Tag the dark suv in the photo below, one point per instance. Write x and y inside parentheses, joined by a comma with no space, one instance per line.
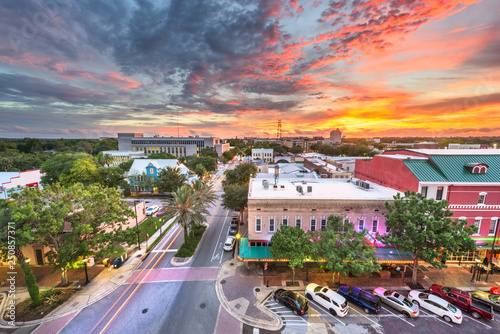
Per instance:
(293,300)
(233,229)
(235,219)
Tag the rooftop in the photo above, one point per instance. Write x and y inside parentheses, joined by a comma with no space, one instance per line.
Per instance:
(320,189)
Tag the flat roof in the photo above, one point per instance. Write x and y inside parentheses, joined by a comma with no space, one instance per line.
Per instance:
(321,189)
(457,151)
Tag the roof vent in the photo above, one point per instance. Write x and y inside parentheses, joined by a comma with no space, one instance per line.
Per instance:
(300,190)
(309,189)
(282,186)
(265,184)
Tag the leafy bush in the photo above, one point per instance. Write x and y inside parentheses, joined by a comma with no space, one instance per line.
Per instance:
(189,246)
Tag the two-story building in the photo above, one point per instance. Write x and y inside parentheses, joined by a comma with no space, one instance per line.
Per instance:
(264,154)
(468,179)
(148,169)
(9,181)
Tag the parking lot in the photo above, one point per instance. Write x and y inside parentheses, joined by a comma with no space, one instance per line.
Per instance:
(319,320)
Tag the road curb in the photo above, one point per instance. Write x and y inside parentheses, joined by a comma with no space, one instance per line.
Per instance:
(272,326)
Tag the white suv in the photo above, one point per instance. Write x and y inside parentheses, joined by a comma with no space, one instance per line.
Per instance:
(152,210)
(329,299)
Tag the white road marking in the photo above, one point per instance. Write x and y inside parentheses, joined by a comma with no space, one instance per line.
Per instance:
(400,317)
(326,312)
(218,239)
(479,322)
(435,317)
(376,323)
(163,250)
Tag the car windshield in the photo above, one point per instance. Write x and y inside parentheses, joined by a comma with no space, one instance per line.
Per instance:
(452,308)
(318,288)
(407,302)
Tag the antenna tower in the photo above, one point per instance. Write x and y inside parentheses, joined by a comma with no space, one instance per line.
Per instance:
(278,133)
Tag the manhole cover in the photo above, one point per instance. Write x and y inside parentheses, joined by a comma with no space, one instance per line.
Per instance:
(202,305)
(238,306)
(120,277)
(139,255)
(223,281)
(145,310)
(257,289)
(231,264)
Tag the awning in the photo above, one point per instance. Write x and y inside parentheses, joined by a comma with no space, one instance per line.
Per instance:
(393,255)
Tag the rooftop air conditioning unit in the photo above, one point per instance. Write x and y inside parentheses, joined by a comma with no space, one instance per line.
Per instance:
(265,184)
(275,187)
(309,189)
(300,190)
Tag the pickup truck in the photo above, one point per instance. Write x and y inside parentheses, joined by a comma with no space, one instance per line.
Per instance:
(369,302)
(463,300)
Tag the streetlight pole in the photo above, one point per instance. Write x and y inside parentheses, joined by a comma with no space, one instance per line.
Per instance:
(86,274)
(137,224)
(474,274)
(492,250)
(307,270)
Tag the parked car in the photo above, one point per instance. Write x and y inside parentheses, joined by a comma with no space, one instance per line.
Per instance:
(293,300)
(463,300)
(362,298)
(495,290)
(488,298)
(329,299)
(152,210)
(233,229)
(436,305)
(235,218)
(161,212)
(398,302)
(229,243)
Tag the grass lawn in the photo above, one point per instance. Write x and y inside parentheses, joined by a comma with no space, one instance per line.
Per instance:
(189,246)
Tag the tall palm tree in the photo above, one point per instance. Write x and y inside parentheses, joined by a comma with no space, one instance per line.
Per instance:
(187,209)
(107,159)
(205,192)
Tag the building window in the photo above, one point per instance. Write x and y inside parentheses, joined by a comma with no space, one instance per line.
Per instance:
(482,198)
(361,225)
(323,223)
(493,226)
(375,226)
(272,228)
(424,191)
(298,222)
(387,229)
(439,194)
(258,225)
(477,222)
(285,222)
(313,224)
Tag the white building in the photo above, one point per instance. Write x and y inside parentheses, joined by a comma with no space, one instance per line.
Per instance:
(123,156)
(264,154)
(12,180)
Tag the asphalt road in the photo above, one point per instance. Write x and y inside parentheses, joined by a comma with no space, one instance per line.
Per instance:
(160,297)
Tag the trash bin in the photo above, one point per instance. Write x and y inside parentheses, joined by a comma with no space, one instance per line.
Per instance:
(106,262)
(117,262)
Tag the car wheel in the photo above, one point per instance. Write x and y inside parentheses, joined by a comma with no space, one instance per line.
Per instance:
(366,310)
(447,318)
(476,315)
(308,296)
(295,312)
(332,311)
(276,300)
(406,314)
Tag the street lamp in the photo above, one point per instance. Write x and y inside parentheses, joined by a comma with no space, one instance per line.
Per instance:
(307,269)
(137,224)
(237,243)
(160,225)
(86,274)
(475,269)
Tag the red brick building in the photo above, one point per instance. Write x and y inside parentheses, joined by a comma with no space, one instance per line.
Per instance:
(468,179)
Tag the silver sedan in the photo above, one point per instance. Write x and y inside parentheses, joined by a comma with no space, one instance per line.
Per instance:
(398,302)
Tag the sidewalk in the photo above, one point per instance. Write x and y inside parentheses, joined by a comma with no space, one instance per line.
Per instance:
(103,281)
(242,287)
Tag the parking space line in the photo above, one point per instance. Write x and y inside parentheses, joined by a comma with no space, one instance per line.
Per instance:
(365,317)
(326,313)
(399,317)
(435,317)
(465,316)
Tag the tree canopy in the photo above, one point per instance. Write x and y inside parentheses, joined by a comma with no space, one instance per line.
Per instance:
(235,197)
(169,179)
(424,227)
(241,174)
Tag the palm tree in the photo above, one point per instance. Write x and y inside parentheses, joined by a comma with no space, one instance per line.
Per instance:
(187,209)
(107,159)
(205,192)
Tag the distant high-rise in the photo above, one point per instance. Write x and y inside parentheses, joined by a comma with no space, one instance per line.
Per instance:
(336,137)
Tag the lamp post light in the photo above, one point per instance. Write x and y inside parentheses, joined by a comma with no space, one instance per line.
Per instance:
(137,224)
(86,274)
(492,250)
(475,269)
(27,260)
(160,225)
(307,269)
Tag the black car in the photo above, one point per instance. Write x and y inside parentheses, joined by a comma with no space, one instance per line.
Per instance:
(235,219)
(293,300)
(233,229)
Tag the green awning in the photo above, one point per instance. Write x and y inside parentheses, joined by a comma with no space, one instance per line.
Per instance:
(393,255)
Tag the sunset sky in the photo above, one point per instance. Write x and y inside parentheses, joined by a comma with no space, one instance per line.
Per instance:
(232,68)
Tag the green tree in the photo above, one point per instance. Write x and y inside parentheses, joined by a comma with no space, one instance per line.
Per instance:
(235,198)
(292,244)
(70,224)
(6,164)
(424,227)
(22,236)
(205,192)
(344,249)
(209,163)
(200,170)
(241,174)
(83,171)
(209,152)
(110,177)
(106,160)
(169,179)
(59,164)
(186,209)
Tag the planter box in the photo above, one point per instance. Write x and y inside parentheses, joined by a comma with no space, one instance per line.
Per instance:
(385,274)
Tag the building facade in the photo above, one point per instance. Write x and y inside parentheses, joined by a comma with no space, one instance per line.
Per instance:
(336,137)
(123,156)
(309,202)
(143,172)
(468,179)
(327,170)
(264,154)
(12,180)
(177,146)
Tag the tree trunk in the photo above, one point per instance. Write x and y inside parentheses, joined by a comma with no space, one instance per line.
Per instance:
(334,274)
(64,276)
(29,278)
(415,268)
(185,234)
(293,276)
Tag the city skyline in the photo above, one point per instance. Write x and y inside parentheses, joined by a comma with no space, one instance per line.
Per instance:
(228,69)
